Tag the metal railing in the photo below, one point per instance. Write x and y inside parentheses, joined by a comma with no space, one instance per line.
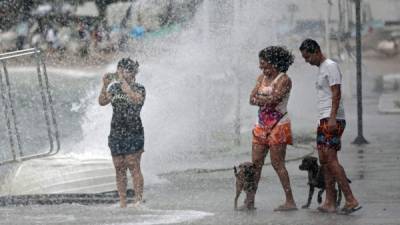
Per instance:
(9,110)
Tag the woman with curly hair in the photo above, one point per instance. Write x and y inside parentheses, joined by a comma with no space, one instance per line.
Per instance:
(272,132)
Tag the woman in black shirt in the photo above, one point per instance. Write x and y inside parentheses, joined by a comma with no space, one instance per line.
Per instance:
(126,139)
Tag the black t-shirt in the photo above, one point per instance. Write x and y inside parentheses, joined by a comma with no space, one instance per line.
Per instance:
(126,121)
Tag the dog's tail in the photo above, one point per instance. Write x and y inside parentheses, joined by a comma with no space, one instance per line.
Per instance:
(235,171)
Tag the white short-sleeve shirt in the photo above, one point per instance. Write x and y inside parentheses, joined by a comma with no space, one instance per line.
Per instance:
(329,74)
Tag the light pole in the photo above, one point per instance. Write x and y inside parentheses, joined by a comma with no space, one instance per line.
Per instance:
(328,29)
(360,138)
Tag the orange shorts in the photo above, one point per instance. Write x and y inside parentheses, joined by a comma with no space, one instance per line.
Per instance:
(280,134)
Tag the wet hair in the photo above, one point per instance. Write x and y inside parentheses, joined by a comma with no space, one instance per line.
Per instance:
(278,56)
(310,46)
(128,64)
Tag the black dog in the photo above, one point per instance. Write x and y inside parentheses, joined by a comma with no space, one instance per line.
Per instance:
(316,180)
(245,181)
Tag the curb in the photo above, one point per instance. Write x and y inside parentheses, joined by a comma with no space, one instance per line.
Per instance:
(309,148)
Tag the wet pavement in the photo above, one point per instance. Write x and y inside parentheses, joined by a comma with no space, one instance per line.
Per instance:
(373,168)
(206,196)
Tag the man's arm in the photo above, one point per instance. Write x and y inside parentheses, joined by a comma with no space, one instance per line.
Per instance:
(336,95)
(335,80)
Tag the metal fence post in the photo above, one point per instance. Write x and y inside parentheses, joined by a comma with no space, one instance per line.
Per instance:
(7,117)
(12,109)
(10,112)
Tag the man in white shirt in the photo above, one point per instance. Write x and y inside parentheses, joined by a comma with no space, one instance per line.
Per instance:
(330,127)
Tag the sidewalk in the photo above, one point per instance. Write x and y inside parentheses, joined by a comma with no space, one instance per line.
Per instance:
(373,169)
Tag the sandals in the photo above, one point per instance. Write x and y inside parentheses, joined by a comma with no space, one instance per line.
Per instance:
(347,211)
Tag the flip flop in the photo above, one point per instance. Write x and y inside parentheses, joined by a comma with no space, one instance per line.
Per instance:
(347,211)
(282,208)
(324,210)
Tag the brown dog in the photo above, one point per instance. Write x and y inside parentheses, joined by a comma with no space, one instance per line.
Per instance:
(245,181)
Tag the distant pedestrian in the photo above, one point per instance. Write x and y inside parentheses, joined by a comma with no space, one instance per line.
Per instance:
(52,39)
(22,31)
(84,38)
(331,125)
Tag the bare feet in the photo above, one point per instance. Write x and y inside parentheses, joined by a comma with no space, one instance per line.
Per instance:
(286,207)
(246,208)
(122,204)
(138,202)
(327,208)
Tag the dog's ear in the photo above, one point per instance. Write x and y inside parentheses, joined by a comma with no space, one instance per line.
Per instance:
(234,170)
(250,170)
(305,160)
(314,160)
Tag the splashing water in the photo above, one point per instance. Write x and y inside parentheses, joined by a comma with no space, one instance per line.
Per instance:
(192,81)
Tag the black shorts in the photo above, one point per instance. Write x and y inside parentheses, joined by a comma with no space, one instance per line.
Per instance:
(125,145)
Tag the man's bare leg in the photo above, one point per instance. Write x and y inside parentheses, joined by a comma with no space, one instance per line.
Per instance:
(340,175)
(329,205)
